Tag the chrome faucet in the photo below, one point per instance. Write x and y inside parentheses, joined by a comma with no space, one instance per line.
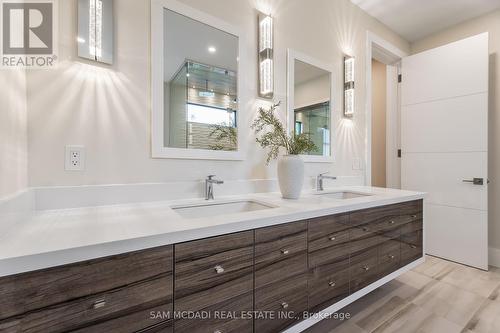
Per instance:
(209,186)
(319,180)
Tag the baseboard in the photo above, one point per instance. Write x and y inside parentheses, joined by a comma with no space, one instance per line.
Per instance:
(494,257)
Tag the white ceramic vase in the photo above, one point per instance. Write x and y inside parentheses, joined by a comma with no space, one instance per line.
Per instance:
(290,176)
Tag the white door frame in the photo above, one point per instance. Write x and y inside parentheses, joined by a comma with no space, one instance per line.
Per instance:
(373,40)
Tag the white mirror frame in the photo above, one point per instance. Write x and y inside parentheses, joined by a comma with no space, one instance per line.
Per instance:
(293,55)
(157,77)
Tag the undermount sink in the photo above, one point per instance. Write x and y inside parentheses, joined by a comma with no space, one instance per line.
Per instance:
(343,195)
(219,208)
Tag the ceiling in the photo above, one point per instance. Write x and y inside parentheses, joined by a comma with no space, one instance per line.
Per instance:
(415,19)
(186,38)
(306,72)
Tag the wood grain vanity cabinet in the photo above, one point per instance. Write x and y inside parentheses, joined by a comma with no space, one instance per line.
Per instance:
(214,275)
(280,275)
(110,294)
(329,251)
(411,232)
(281,270)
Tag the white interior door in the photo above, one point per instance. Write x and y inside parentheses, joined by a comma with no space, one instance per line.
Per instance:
(393,132)
(444,139)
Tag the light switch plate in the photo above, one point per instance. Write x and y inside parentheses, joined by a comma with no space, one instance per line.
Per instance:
(74,159)
(356,164)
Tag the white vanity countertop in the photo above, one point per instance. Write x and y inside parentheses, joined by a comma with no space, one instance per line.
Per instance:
(56,237)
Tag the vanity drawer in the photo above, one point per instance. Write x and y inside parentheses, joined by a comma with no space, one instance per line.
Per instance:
(363,270)
(124,309)
(389,257)
(139,322)
(280,252)
(328,284)
(320,229)
(330,249)
(328,240)
(375,216)
(284,304)
(364,238)
(411,246)
(390,229)
(66,288)
(167,327)
(371,227)
(213,270)
(411,211)
(230,316)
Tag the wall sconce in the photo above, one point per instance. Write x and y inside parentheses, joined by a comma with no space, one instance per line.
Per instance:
(266,66)
(95,30)
(348,86)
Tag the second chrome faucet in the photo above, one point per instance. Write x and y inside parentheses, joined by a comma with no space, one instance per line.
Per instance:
(209,186)
(319,180)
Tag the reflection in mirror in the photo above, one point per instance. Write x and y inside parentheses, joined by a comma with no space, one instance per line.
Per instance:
(311,109)
(200,85)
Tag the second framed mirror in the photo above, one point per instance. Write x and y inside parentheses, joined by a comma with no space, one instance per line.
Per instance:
(309,103)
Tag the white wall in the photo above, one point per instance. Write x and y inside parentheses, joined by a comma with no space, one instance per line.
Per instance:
(107,109)
(490,23)
(13,132)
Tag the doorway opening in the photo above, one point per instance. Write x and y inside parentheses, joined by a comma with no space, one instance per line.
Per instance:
(383,113)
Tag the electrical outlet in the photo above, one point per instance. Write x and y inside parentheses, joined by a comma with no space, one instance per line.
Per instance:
(75,158)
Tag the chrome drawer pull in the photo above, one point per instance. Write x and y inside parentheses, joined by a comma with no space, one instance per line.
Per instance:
(219,269)
(392,222)
(285,252)
(413,246)
(99,304)
(414,216)
(390,256)
(332,238)
(284,305)
(366,229)
(332,284)
(366,268)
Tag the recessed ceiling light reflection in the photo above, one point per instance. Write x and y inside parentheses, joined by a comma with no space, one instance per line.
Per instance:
(212,49)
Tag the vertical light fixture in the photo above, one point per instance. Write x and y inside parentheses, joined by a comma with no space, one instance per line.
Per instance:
(266,66)
(95,29)
(348,86)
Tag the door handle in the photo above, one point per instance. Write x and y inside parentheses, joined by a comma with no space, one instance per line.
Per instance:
(475,181)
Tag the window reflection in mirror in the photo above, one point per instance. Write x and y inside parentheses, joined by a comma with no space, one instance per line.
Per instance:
(200,85)
(312,102)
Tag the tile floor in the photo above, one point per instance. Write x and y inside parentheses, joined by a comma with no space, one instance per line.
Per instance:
(436,297)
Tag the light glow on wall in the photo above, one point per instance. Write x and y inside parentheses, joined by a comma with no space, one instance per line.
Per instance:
(266,68)
(349,86)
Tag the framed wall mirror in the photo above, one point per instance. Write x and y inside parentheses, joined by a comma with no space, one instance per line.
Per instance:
(309,103)
(195,84)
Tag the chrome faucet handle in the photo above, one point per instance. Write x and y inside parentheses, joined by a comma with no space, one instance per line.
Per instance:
(210,177)
(324,173)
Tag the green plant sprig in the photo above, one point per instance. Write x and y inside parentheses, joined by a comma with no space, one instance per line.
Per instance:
(274,136)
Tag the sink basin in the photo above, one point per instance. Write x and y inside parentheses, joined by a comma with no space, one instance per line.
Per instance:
(343,195)
(219,208)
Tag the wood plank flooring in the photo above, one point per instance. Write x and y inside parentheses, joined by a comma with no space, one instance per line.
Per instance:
(436,297)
